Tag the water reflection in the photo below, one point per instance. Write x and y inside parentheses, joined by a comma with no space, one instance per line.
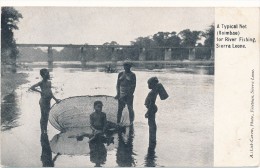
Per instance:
(179,67)
(46,156)
(124,155)
(9,112)
(150,159)
(69,143)
(98,153)
(66,143)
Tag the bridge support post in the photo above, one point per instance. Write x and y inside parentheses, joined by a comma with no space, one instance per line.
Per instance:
(142,56)
(114,54)
(50,57)
(192,54)
(168,54)
(83,56)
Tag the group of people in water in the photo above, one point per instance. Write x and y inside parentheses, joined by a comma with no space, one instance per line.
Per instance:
(126,84)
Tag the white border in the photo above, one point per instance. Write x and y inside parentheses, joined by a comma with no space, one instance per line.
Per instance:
(134,3)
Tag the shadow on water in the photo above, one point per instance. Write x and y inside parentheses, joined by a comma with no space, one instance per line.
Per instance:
(46,156)
(9,112)
(124,155)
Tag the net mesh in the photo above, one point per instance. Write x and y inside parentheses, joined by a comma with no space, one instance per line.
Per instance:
(74,112)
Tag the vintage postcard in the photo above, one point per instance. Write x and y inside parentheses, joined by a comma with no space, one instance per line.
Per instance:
(129,86)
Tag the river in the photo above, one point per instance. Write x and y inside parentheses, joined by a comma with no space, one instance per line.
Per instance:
(185,121)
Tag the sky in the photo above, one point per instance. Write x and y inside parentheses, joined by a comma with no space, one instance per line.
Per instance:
(97,25)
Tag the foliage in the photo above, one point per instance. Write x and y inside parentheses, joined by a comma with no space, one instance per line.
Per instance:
(166,39)
(9,19)
(189,38)
(210,36)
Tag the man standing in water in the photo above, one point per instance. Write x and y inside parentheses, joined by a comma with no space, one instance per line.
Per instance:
(126,83)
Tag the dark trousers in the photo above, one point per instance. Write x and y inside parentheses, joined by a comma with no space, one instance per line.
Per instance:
(152,127)
(127,100)
(45,105)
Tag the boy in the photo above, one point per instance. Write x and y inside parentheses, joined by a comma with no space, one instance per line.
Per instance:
(156,88)
(151,108)
(46,96)
(98,122)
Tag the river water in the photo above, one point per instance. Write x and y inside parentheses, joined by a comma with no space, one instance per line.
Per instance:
(185,127)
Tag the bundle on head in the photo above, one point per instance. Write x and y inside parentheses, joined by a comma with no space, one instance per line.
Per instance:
(154,83)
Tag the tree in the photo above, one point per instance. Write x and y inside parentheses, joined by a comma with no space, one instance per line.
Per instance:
(189,38)
(173,40)
(143,42)
(112,43)
(209,42)
(9,19)
(210,36)
(108,52)
(69,54)
(142,45)
(160,38)
(165,39)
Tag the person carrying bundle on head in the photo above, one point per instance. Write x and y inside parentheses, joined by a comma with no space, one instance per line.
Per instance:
(156,88)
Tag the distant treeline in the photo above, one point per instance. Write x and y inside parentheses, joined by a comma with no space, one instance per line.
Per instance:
(181,43)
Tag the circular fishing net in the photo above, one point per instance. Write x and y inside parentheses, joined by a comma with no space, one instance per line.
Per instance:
(74,112)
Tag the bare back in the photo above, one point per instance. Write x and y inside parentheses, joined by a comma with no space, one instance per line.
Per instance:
(46,89)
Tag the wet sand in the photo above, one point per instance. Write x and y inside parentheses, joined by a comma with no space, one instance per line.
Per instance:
(185,125)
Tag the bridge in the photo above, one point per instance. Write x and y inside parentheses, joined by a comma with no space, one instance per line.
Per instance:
(114,48)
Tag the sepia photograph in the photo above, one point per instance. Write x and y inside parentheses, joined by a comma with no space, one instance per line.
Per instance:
(107,86)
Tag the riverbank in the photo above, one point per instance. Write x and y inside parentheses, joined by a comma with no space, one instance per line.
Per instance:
(10,81)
